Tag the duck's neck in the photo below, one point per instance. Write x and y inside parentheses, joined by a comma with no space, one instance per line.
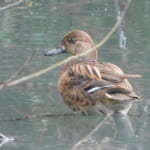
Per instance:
(88,58)
(92,56)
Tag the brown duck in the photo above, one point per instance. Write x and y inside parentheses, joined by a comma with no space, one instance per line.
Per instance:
(87,85)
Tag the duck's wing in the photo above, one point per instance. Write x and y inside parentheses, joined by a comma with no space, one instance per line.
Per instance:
(120,94)
(93,78)
(113,73)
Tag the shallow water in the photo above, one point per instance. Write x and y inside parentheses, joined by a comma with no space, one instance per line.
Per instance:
(40,25)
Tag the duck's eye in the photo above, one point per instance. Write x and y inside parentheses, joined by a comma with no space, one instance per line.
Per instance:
(71,40)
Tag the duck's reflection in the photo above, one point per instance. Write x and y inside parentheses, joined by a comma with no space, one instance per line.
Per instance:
(115,132)
(123,127)
(86,132)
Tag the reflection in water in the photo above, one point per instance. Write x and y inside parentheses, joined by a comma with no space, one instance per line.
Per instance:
(89,138)
(4,139)
(121,135)
(122,36)
(124,129)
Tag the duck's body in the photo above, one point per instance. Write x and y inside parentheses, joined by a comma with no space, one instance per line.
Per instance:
(86,85)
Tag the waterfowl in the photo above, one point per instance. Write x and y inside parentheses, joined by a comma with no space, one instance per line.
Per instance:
(88,85)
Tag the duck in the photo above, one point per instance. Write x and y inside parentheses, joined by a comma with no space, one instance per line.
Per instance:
(87,85)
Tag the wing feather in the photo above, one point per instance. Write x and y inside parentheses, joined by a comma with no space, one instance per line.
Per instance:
(87,70)
(95,77)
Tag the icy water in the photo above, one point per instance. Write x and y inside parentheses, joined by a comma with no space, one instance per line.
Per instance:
(39,25)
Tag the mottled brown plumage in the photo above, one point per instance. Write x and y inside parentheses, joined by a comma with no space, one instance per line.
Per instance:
(87,85)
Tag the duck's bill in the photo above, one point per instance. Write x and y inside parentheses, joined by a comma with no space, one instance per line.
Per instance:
(58,50)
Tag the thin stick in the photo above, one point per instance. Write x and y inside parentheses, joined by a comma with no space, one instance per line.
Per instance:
(12,5)
(45,70)
(85,139)
(20,70)
(38,116)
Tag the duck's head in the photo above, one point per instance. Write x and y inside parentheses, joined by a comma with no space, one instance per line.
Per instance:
(76,42)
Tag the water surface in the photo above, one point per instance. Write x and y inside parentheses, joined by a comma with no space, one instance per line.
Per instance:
(40,25)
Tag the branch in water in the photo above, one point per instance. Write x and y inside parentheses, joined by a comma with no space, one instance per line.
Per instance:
(45,115)
(12,5)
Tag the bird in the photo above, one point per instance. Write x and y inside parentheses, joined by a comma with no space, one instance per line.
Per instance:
(87,85)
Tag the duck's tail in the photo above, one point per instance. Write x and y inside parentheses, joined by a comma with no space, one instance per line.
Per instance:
(131,76)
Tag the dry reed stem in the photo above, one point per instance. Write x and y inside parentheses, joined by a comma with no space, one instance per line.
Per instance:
(12,5)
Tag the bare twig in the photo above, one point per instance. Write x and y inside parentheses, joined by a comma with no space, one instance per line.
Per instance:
(12,5)
(20,70)
(45,70)
(38,116)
